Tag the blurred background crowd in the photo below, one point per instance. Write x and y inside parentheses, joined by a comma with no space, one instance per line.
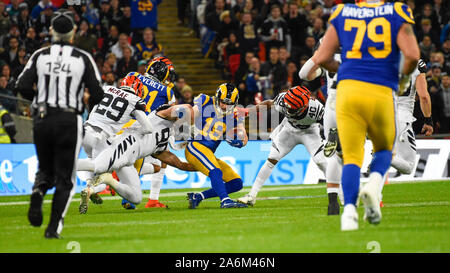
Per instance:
(259,45)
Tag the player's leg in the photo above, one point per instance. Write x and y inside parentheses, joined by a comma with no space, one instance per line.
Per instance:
(352,132)
(156,182)
(282,143)
(129,186)
(405,149)
(205,161)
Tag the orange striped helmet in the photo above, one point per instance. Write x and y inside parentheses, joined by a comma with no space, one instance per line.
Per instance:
(165,60)
(296,100)
(132,84)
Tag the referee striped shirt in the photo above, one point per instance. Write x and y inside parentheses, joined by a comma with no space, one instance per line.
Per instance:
(61,72)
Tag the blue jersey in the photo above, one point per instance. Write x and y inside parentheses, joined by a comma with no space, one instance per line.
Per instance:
(368,39)
(155,93)
(144,13)
(213,128)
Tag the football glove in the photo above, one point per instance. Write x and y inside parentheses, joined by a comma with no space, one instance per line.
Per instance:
(236,143)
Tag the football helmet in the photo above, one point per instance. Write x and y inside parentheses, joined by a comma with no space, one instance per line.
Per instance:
(172,75)
(132,84)
(228,94)
(296,100)
(158,70)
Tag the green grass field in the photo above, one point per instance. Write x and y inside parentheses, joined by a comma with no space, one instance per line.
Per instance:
(289,219)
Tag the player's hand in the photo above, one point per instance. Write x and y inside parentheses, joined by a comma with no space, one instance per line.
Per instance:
(427,130)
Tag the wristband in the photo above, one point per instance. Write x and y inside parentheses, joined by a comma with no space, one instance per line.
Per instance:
(428,121)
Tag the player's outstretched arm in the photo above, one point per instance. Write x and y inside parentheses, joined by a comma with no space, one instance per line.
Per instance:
(172,160)
(180,111)
(425,103)
(407,42)
(144,121)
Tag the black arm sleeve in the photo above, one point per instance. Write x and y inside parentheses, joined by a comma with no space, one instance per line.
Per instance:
(26,79)
(92,81)
(422,66)
(8,124)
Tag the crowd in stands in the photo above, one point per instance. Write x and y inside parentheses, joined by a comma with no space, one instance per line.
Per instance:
(259,45)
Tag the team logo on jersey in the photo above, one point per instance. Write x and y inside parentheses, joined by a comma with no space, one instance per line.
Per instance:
(121,148)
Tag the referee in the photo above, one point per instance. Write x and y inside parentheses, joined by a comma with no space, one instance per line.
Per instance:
(61,73)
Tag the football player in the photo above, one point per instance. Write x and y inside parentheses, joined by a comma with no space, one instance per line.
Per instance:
(371,37)
(106,119)
(215,118)
(300,126)
(125,149)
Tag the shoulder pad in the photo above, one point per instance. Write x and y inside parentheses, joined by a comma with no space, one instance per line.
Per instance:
(404,11)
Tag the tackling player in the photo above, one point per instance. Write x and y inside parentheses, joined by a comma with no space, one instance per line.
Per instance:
(300,126)
(371,34)
(216,117)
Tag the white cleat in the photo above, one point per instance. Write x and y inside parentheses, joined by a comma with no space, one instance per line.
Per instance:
(349,218)
(370,199)
(84,204)
(247,199)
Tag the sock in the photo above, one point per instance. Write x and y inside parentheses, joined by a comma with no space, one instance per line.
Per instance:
(263,175)
(332,189)
(380,187)
(217,183)
(99,188)
(231,186)
(156,184)
(350,183)
(381,162)
(147,168)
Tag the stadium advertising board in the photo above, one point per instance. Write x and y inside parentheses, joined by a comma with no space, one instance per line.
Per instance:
(18,166)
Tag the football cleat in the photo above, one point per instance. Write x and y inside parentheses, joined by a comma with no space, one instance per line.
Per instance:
(96,198)
(84,203)
(349,218)
(247,199)
(155,204)
(194,199)
(35,210)
(332,143)
(333,205)
(228,203)
(369,197)
(127,204)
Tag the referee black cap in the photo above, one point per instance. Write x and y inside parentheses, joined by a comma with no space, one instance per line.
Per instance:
(62,21)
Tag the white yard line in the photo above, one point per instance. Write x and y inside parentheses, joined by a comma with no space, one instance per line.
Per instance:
(245,190)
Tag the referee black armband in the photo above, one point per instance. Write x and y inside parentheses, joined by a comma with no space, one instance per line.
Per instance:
(428,121)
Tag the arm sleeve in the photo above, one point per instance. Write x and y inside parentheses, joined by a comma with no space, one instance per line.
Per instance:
(26,79)
(422,66)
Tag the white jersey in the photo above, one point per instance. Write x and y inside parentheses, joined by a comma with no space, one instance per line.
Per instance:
(311,115)
(332,81)
(405,102)
(115,110)
(125,149)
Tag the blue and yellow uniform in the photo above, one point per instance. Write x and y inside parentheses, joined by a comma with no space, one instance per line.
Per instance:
(368,74)
(213,125)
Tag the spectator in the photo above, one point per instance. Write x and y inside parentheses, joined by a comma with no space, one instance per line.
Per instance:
(121,44)
(5,21)
(275,70)
(444,89)
(426,47)
(112,61)
(7,126)
(427,13)
(186,95)
(125,22)
(84,39)
(31,42)
(10,54)
(247,33)
(434,80)
(13,9)
(116,13)
(11,81)
(297,24)
(24,20)
(327,9)
(316,30)
(441,12)
(148,48)
(43,22)
(437,111)
(274,31)
(227,24)
(292,75)
(242,71)
(308,49)
(232,54)
(446,54)
(425,29)
(126,64)
(111,39)
(212,17)
(13,32)
(142,66)
(252,82)
(180,83)
(105,17)
(20,62)
(182,5)
(144,14)
(110,79)
(284,55)
(39,8)
(8,103)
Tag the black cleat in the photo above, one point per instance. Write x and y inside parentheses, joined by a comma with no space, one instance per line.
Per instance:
(35,210)
(333,204)
(52,235)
